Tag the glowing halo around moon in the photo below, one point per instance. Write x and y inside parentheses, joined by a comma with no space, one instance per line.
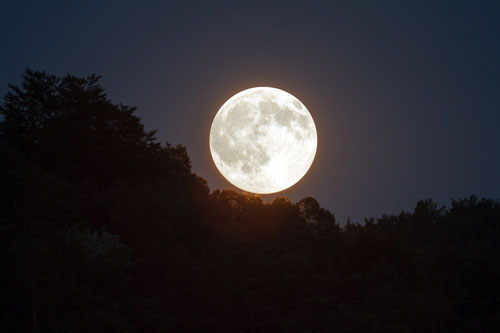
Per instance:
(263,140)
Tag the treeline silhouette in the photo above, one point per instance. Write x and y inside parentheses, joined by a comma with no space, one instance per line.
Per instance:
(104,229)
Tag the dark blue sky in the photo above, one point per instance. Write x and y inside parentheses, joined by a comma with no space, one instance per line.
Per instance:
(405,94)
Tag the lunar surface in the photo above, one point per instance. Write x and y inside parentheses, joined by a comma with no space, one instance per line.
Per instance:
(263,140)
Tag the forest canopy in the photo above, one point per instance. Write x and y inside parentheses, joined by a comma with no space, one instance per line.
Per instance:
(105,229)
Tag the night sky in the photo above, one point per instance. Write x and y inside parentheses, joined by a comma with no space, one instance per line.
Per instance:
(405,95)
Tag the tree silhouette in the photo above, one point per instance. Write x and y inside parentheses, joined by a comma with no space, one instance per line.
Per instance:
(104,229)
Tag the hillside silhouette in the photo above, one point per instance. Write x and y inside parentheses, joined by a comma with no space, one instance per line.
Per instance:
(104,229)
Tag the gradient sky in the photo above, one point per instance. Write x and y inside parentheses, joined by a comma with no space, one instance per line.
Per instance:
(405,94)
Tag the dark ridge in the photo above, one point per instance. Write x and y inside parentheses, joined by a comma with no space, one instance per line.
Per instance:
(104,229)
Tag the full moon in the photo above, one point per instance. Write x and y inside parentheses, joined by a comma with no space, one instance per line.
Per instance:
(263,140)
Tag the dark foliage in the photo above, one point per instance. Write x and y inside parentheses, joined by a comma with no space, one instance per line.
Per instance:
(106,230)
